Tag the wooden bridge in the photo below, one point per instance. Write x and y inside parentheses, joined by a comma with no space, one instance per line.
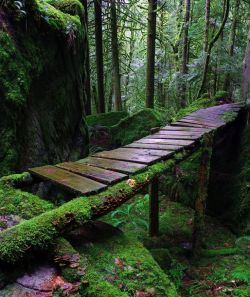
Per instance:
(104,169)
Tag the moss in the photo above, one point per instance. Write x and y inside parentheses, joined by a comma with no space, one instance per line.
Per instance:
(106,119)
(23,204)
(72,7)
(194,106)
(16,180)
(221,95)
(124,267)
(229,116)
(135,126)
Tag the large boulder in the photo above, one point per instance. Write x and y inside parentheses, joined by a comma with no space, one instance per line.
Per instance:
(42,97)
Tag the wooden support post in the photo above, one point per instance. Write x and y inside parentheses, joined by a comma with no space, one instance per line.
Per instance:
(200,203)
(154,207)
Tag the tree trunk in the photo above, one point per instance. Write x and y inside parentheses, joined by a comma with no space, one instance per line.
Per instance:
(184,68)
(207,22)
(152,6)
(87,64)
(246,72)
(210,46)
(227,83)
(99,55)
(115,59)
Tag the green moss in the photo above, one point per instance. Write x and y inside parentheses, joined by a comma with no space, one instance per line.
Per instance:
(229,116)
(72,7)
(194,106)
(23,204)
(135,126)
(106,119)
(137,269)
(220,95)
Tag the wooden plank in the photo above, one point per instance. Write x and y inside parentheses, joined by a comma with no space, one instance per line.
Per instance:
(169,147)
(166,141)
(73,182)
(180,133)
(114,165)
(118,154)
(184,124)
(202,119)
(166,136)
(191,129)
(151,152)
(202,123)
(99,174)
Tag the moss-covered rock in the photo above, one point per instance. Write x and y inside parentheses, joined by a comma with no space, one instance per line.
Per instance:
(135,126)
(41,78)
(106,119)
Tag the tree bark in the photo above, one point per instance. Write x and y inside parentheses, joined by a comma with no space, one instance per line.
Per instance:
(227,83)
(207,22)
(87,84)
(185,58)
(115,58)
(210,46)
(99,55)
(246,71)
(150,72)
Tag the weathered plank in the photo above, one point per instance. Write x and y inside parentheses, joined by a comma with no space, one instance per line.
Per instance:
(202,123)
(73,182)
(99,174)
(169,147)
(185,124)
(166,136)
(151,152)
(180,133)
(114,165)
(118,154)
(188,129)
(165,141)
(215,121)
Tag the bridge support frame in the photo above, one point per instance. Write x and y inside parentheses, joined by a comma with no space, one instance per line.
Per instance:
(200,202)
(154,207)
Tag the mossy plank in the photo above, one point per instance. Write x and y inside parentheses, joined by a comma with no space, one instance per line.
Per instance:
(201,123)
(115,165)
(192,125)
(188,129)
(166,136)
(99,174)
(66,179)
(181,133)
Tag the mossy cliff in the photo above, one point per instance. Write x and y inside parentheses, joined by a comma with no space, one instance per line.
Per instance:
(41,77)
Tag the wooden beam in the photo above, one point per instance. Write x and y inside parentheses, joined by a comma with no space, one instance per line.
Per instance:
(154,207)
(200,203)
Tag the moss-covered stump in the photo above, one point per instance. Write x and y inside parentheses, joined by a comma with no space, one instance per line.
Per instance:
(42,85)
(119,266)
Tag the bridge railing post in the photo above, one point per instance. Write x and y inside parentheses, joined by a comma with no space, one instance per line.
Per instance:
(200,202)
(154,207)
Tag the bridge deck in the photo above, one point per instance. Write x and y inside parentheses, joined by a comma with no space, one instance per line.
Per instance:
(97,172)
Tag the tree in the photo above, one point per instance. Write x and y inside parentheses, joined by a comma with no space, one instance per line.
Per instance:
(207,21)
(227,83)
(115,58)
(151,36)
(184,68)
(246,71)
(99,55)
(210,47)
(87,83)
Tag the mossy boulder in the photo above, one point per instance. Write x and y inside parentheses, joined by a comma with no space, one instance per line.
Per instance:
(42,92)
(135,126)
(106,119)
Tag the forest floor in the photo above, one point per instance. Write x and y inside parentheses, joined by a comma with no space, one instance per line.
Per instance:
(222,271)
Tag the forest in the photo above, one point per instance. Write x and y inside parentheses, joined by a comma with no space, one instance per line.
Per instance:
(124,148)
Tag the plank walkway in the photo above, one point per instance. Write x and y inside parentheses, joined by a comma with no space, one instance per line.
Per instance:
(97,172)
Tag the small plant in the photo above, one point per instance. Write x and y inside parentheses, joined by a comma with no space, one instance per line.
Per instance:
(229,116)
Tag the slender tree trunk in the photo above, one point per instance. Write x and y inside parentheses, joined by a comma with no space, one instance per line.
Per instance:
(210,46)
(115,59)
(150,74)
(185,58)
(99,55)
(87,64)
(246,71)
(227,83)
(207,22)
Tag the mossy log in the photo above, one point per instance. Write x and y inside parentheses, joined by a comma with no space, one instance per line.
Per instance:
(39,233)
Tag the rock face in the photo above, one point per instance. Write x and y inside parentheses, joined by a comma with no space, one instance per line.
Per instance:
(42,94)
